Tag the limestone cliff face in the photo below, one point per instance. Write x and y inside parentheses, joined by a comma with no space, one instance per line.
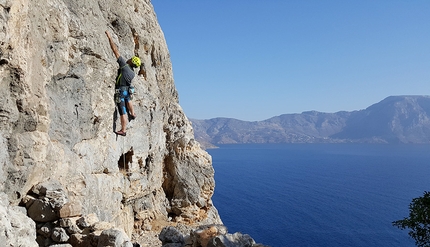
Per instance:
(57,115)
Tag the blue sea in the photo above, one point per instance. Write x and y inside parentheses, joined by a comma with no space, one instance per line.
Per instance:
(319,195)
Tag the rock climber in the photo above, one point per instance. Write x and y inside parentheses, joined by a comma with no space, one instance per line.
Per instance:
(123,87)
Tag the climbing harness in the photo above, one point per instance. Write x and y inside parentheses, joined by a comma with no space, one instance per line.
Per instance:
(131,91)
(119,93)
(117,96)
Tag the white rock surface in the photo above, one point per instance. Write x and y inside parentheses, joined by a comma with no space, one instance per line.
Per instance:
(57,116)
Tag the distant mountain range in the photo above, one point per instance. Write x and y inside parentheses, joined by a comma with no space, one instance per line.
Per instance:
(396,119)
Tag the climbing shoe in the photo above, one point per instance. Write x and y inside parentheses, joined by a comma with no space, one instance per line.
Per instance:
(121,133)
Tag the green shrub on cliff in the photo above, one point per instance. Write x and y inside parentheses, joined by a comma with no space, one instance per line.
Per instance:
(418,221)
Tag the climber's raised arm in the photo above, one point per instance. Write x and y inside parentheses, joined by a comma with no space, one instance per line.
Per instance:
(112,45)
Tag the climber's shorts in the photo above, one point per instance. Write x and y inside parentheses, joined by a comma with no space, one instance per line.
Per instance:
(122,100)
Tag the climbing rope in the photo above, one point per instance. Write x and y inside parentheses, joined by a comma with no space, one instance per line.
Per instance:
(123,152)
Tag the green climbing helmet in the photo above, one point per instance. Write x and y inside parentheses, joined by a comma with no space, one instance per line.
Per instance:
(136,61)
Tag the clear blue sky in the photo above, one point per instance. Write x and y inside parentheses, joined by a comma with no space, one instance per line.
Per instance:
(254,59)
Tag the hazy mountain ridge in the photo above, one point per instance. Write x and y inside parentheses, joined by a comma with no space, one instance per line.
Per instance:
(396,119)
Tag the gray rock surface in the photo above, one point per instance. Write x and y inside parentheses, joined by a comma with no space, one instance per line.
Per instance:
(41,211)
(16,229)
(114,238)
(57,118)
(232,240)
(213,235)
(61,245)
(59,235)
(53,192)
(171,235)
(46,229)
(79,240)
(87,220)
